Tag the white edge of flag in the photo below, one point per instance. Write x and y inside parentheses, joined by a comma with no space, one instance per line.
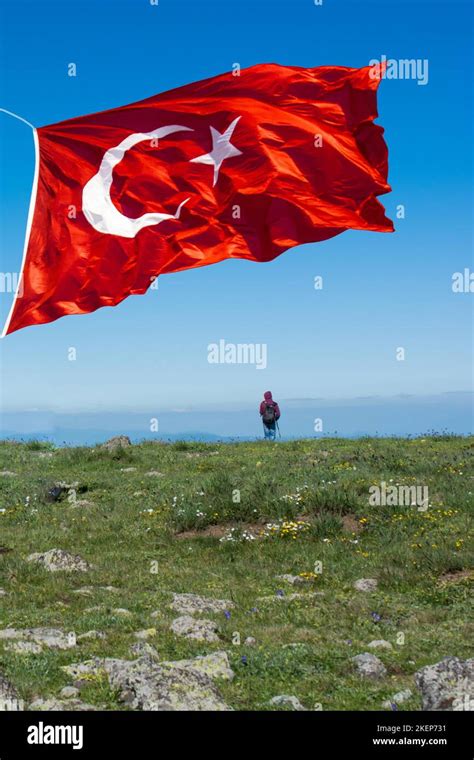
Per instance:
(29,223)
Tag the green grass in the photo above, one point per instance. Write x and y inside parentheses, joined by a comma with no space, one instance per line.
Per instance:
(133,526)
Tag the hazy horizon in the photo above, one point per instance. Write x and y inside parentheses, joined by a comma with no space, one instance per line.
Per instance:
(244,403)
(401,415)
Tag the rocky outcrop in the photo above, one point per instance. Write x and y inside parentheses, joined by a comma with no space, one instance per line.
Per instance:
(447,685)
(191,604)
(369,666)
(146,685)
(56,560)
(190,628)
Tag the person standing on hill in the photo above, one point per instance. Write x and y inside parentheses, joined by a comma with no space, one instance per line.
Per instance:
(270,414)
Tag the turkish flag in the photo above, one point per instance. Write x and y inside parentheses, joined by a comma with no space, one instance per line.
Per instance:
(230,167)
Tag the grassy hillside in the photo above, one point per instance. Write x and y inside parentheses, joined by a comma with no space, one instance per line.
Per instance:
(222,521)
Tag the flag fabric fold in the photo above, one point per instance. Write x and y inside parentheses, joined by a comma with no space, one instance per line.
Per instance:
(241,166)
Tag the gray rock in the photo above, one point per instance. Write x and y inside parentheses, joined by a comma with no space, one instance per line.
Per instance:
(447,685)
(155,687)
(23,647)
(3,592)
(398,699)
(144,685)
(69,692)
(250,641)
(117,442)
(61,704)
(190,604)
(143,649)
(122,611)
(214,665)
(7,474)
(402,696)
(294,580)
(379,644)
(128,469)
(58,559)
(199,630)
(154,474)
(9,697)
(286,700)
(369,666)
(366,584)
(94,635)
(52,638)
(95,666)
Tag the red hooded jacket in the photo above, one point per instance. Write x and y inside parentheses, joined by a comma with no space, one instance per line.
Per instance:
(267,396)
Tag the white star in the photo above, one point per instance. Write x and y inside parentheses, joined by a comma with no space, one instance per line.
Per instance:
(222,148)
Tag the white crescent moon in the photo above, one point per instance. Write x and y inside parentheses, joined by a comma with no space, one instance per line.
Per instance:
(97,204)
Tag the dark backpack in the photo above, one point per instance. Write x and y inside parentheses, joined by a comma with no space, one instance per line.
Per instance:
(269,414)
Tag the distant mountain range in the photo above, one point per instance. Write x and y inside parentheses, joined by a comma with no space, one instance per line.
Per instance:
(374,415)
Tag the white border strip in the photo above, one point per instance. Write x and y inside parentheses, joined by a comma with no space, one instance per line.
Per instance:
(29,222)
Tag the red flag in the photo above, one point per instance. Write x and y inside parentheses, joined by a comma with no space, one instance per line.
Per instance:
(230,167)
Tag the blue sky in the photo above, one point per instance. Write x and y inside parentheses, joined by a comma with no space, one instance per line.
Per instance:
(380,291)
